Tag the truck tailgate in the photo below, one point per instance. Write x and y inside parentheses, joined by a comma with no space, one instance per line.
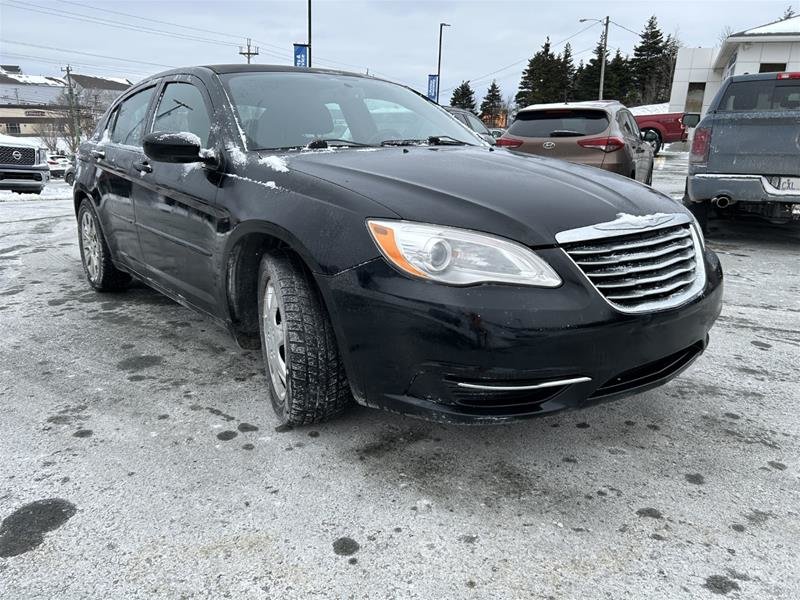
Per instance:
(756,143)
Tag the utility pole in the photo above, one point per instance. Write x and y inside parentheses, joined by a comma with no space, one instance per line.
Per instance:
(603,57)
(76,132)
(439,64)
(309,34)
(248,53)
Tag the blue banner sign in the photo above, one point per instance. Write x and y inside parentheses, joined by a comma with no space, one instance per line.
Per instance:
(301,55)
(433,86)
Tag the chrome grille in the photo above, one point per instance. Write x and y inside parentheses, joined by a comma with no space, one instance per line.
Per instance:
(651,269)
(27,156)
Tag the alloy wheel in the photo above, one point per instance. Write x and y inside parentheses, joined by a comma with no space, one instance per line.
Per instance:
(274,327)
(91,246)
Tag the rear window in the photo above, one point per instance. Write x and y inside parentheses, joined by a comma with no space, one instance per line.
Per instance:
(559,123)
(764,95)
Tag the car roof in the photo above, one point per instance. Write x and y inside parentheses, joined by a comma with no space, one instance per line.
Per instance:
(757,76)
(608,105)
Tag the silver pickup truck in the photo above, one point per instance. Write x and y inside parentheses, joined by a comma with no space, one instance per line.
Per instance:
(23,166)
(745,156)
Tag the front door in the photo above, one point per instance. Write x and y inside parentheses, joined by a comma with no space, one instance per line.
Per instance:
(118,149)
(175,203)
(640,151)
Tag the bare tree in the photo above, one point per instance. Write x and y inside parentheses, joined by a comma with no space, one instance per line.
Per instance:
(788,13)
(724,34)
(50,134)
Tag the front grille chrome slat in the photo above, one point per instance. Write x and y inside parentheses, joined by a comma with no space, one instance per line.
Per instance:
(618,257)
(27,156)
(653,268)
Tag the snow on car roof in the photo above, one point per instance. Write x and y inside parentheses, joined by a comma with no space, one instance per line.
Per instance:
(585,104)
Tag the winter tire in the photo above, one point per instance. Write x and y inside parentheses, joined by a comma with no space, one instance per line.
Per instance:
(305,373)
(100,271)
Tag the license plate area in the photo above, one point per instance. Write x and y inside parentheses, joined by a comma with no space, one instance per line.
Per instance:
(785,184)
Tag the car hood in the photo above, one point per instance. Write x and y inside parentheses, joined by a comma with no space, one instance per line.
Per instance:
(526,198)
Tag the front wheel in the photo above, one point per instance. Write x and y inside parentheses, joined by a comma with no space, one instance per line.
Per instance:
(305,372)
(95,255)
(69,178)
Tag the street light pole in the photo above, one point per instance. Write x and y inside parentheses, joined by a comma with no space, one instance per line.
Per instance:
(603,58)
(309,34)
(439,65)
(604,52)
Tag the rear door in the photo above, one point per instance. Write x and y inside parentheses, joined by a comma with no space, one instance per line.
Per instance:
(756,129)
(176,214)
(557,132)
(637,150)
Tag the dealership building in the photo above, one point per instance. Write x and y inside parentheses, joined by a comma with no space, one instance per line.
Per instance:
(699,72)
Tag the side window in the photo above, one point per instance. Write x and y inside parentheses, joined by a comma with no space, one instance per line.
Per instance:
(632,124)
(181,108)
(476,124)
(129,125)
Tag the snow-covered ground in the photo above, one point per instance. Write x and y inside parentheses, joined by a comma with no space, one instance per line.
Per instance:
(55,190)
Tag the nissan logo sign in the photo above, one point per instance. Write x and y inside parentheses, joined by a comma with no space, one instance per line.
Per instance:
(549,145)
(17,155)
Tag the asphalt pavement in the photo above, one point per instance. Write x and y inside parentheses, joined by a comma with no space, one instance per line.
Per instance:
(140,458)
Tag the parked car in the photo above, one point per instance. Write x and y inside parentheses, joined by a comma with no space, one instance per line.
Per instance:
(667,127)
(409,266)
(69,174)
(58,164)
(745,159)
(474,123)
(601,134)
(23,166)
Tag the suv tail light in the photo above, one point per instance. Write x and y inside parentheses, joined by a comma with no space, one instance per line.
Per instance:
(795,75)
(606,144)
(701,145)
(509,142)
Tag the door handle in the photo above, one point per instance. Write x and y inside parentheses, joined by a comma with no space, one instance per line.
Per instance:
(98,154)
(143,166)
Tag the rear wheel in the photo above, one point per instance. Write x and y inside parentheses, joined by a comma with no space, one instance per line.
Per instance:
(305,372)
(69,178)
(95,255)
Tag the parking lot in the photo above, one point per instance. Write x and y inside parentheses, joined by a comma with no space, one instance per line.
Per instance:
(145,436)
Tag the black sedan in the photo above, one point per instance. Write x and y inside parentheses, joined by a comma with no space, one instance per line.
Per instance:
(376,249)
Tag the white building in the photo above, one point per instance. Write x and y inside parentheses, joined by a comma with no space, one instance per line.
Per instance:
(699,72)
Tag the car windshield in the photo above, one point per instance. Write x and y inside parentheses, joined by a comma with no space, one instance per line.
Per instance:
(293,109)
(559,123)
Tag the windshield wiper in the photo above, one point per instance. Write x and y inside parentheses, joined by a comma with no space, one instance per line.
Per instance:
(445,140)
(433,140)
(565,133)
(326,142)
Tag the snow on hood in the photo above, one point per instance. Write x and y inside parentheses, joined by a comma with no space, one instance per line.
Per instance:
(10,140)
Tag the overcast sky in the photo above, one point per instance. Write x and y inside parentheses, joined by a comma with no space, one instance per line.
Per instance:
(396,39)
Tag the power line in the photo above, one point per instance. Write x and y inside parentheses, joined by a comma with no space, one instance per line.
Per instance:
(43,47)
(514,64)
(54,61)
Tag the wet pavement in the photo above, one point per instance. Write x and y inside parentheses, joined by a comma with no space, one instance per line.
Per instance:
(140,457)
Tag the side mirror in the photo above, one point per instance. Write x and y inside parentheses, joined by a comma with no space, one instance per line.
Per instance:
(650,136)
(173,147)
(690,119)
(489,138)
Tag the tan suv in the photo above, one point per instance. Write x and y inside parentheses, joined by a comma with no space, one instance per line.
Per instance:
(601,134)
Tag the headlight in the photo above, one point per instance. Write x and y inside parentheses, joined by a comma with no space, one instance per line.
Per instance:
(458,256)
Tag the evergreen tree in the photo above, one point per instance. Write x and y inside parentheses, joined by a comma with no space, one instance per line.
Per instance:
(541,80)
(587,79)
(647,64)
(566,75)
(618,80)
(492,103)
(463,97)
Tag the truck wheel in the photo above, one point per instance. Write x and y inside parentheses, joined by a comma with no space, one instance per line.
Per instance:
(305,372)
(100,271)
(657,143)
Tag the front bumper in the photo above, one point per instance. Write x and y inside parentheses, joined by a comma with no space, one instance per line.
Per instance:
(408,344)
(740,188)
(24,178)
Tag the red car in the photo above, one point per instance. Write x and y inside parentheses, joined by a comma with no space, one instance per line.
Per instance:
(667,126)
